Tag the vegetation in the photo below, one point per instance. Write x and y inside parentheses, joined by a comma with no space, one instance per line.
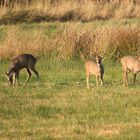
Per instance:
(59,105)
(71,40)
(66,10)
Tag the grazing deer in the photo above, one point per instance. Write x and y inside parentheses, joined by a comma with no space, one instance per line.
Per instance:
(130,63)
(96,68)
(26,61)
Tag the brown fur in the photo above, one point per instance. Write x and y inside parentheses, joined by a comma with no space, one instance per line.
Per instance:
(26,61)
(130,63)
(95,68)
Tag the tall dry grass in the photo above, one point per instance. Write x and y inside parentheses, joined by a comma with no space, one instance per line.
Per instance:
(67,10)
(73,41)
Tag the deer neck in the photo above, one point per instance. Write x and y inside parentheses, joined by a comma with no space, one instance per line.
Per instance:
(101,67)
(99,64)
(11,71)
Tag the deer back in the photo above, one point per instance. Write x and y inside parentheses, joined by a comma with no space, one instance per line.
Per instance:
(130,62)
(22,61)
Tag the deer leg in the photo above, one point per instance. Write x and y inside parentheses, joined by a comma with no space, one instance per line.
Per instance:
(101,79)
(88,80)
(35,71)
(17,77)
(134,78)
(14,79)
(29,75)
(125,78)
(97,79)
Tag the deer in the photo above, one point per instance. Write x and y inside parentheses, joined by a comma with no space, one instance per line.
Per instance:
(130,64)
(95,68)
(22,61)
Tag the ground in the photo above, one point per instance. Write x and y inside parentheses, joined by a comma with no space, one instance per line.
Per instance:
(59,105)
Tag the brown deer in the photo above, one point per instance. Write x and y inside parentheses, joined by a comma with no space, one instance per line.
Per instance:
(130,63)
(26,61)
(95,68)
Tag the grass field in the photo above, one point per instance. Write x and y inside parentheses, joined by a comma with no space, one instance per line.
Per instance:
(58,105)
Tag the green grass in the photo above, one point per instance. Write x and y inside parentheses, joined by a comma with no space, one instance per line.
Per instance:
(59,106)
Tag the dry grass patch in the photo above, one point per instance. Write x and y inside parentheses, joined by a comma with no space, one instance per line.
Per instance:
(66,10)
(72,41)
(109,131)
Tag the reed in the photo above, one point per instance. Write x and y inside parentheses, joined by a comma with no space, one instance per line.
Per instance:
(71,41)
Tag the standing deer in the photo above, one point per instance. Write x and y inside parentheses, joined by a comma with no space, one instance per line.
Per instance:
(26,61)
(130,63)
(95,68)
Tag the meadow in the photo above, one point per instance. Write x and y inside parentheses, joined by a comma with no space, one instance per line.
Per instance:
(59,105)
